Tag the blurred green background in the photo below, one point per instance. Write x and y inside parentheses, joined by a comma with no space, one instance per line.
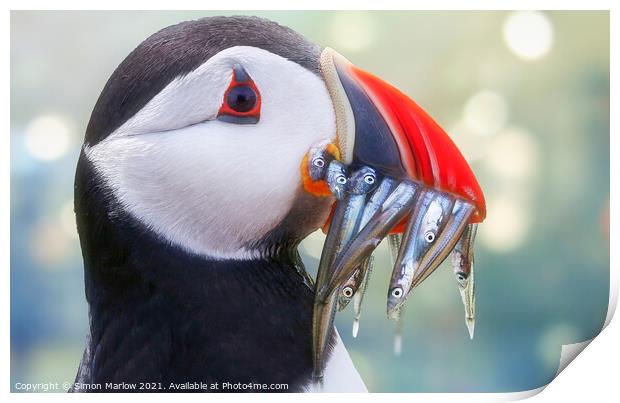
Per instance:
(525,95)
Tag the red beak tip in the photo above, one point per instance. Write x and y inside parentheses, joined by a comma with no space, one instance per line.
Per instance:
(427,152)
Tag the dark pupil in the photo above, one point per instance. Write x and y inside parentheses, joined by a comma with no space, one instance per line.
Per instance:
(241,99)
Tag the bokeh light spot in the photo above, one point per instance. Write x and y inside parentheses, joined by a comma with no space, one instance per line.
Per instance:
(485,113)
(48,137)
(352,31)
(470,146)
(506,224)
(513,155)
(551,341)
(49,246)
(67,220)
(528,34)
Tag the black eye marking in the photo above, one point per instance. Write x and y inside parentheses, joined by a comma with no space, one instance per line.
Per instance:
(241,76)
(242,100)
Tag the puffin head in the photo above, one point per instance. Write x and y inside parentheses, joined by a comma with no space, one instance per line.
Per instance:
(204,132)
(200,133)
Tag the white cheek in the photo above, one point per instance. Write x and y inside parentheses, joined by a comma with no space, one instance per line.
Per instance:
(214,188)
(208,196)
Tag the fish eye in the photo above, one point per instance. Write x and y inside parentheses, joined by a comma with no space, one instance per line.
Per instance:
(397,292)
(319,162)
(461,276)
(341,180)
(347,292)
(369,179)
(429,236)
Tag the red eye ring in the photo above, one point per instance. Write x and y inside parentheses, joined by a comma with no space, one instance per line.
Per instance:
(242,100)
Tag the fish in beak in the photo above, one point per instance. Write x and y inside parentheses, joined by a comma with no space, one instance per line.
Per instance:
(360,276)
(355,287)
(358,295)
(394,242)
(432,197)
(463,268)
(351,200)
(437,222)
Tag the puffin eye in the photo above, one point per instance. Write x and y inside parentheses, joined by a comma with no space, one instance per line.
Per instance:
(242,101)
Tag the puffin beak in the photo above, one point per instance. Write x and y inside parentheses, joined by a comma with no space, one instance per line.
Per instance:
(381,128)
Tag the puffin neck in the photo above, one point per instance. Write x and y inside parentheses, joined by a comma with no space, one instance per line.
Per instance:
(160,314)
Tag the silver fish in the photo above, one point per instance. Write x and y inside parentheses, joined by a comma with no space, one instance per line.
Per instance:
(366,268)
(438,220)
(394,242)
(318,163)
(343,226)
(377,199)
(354,286)
(349,288)
(463,268)
(429,214)
(395,207)
(337,179)
(322,325)
(446,240)
(362,181)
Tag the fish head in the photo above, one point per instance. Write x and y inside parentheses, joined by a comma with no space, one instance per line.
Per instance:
(400,286)
(363,181)
(337,179)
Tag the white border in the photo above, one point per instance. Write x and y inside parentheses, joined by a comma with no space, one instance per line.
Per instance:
(318,5)
(595,375)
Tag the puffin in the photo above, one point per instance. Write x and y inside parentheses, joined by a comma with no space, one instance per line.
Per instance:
(193,191)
